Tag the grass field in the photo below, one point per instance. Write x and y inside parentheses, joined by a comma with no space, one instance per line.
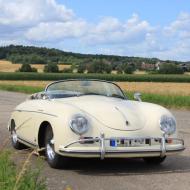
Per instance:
(170,101)
(6,66)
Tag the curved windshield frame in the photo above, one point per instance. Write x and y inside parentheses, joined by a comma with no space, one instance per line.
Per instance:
(70,88)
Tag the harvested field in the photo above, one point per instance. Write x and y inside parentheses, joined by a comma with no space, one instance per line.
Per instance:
(6,66)
(144,87)
(26,83)
(182,89)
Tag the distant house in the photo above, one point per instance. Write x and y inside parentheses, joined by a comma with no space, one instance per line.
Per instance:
(185,67)
(147,66)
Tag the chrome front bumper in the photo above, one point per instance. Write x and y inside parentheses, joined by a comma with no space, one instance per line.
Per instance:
(162,149)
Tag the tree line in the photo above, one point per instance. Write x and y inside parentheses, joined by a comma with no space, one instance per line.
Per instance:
(82,63)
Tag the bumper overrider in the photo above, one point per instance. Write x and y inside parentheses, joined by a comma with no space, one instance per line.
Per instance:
(163,146)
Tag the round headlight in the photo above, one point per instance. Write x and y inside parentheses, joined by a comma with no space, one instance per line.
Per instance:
(79,124)
(168,124)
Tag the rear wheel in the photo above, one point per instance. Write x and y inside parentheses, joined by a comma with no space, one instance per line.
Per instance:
(14,138)
(54,160)
(154,160)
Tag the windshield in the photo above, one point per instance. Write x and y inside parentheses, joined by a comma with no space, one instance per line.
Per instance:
(70,88)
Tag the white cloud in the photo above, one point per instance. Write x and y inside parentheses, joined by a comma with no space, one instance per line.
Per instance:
(53,31)
(107,24)
(46,22)
(169,42)
(25,12)
(180,26)
(111,30)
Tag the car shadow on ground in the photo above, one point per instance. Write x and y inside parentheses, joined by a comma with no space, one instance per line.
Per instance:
(123,167)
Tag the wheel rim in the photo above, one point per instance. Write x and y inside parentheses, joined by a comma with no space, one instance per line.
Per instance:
(14,136)
(50,151)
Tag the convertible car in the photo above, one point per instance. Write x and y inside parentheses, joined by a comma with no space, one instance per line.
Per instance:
(93,119)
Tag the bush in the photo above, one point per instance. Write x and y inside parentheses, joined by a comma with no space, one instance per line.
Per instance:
(35,59)
(27,68)
(129,69)
(67,70)
(107,68)
(119,69)
(169,68)
(81,68)
(99,67)
(51,68)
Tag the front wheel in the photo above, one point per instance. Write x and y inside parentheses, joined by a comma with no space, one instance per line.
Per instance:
(54,160)
(154,160)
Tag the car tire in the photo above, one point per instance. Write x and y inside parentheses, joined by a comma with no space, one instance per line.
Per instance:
(154,160)
(14,138)
(54,160)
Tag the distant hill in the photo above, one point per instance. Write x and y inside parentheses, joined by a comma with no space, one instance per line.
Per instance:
(41,55)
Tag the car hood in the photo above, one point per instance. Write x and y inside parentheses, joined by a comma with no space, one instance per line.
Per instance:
(113,113)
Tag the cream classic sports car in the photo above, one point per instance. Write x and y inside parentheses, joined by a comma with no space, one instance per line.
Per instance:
(93,118)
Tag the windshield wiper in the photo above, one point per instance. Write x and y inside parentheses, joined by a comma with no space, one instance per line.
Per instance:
(117,96)
(91,93)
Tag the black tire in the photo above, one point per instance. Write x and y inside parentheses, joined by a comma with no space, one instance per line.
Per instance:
(14,138)
(154,160)
(54,160)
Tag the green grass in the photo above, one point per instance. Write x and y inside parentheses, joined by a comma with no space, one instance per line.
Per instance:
(23,89)
(9,175)
(170,101)
(110,77)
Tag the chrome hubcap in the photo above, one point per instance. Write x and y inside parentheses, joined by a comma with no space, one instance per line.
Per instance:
(14,137)
(50,151)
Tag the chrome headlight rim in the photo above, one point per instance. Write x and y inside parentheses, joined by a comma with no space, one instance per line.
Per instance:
(80,120)
(168,124)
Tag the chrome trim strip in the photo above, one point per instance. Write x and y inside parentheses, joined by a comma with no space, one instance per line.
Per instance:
(23,123)
(119,152)
(37,112)
(81,141)
(26,141)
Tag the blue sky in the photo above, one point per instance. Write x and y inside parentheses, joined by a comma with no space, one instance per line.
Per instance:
(144,28)
(155,11)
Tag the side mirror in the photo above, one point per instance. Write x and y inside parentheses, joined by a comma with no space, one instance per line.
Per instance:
(137,96)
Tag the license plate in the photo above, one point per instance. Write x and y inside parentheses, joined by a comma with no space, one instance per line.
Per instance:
(126,143)
(138,142)
(113,143)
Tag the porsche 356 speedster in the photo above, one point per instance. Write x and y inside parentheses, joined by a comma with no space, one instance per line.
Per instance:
(93,119)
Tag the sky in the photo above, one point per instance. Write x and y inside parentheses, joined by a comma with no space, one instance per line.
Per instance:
(143,28)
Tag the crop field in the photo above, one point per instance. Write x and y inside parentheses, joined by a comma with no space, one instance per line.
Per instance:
(109,77)
(6,66)
(167,88)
